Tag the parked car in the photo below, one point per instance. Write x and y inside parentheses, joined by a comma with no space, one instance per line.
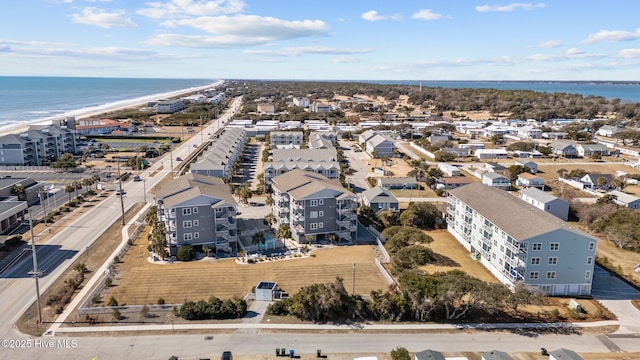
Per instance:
(226,355)
(137,178)
(178,158)
(121,192)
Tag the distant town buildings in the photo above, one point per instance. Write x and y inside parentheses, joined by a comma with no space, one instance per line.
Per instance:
(169,106)
(38,145)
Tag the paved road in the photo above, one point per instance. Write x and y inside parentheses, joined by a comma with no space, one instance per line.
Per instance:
(616,295)
(358,165)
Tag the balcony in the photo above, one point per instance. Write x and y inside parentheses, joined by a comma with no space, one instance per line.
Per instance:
(299,229)
(297,205)
(172,214)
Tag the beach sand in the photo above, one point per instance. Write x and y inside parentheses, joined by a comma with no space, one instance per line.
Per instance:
(105,109)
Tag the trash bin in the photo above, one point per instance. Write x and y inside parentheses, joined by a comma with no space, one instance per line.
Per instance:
(291,353)
(544,351)
(277,351)
(319,353)
(283,352)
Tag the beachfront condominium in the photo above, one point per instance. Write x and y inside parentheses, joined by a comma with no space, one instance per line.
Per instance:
(198,210)
(320,161)
(314,207)
(519,243)
(37,146)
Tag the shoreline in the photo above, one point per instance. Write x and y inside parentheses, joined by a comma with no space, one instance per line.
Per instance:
(104,108)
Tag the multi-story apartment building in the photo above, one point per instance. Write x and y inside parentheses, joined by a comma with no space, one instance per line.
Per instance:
(519,243)
(199,210)
(301,101)
(315,208)
(37,145)
(285,139)
(320,161)
(168,106)
(219,158)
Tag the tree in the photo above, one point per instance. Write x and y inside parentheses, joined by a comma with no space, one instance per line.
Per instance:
(270,219)
(269,200)
(283,232)
(523,294)
(400,353)
(185,253)
(66,162)
(577,173)
(258,239)
(497,139)
(207,249)
(69,189)
(515,170)
(144,312)
(19,191)
(601,182)
(244,193)
(562,172)
(112,302)
(422,215)
(116,314)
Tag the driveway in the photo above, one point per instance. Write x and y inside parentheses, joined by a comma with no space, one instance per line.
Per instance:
(616,295)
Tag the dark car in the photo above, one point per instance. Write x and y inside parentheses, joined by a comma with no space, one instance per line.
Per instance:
(226,355)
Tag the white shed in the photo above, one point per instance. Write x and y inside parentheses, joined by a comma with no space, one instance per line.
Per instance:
(265,290)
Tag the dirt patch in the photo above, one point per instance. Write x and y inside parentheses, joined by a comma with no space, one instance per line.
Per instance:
(550,171)
(141,282)
(93,258)
(398,167)
(616,258)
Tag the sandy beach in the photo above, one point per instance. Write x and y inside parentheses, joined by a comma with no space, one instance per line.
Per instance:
(106,108)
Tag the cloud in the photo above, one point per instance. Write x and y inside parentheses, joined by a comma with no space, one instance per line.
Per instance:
(426,14)
(509,7)
(255,26)
(308,50)
(103,19)
(612,35)
(182,8)
(629,53)
(205,41)
(374,16)
(348,60)
(549,44)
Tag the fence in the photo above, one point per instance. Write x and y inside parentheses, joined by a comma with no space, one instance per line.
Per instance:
(26,168)
(84,308)
(422,150)
(383,251)
(384,272)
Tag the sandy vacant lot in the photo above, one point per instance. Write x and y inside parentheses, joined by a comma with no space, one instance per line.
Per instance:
(142,282)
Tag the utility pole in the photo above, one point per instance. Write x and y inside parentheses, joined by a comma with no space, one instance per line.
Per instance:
(43,206)
(201,131)
(121,193)
(144,191)
(36,274)
(353,288)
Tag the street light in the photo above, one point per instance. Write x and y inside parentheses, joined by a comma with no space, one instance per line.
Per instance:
(121,194)
(36,274)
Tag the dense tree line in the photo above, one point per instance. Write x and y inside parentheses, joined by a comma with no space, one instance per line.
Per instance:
(215,309)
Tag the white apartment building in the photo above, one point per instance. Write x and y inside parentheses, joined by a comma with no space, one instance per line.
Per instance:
(285,139)
(519,243)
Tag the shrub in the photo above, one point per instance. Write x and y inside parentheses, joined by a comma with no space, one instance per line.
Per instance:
(13,241)
(108,282)
(185,253)
(112,302)
(116,314)
(400,353)
(160,301)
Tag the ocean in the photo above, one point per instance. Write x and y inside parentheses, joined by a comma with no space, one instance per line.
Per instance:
(39,99)
(36,99)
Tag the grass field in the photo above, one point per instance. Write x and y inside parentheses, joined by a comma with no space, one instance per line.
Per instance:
(627,260)
(444,244)
(550,171)
(142,282)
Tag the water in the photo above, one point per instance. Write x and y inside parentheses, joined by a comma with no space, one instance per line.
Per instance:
(35,99)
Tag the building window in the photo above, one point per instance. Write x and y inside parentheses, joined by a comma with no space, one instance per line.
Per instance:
(535,261)
(592,246)
(219,209)
(313,203)
(186,224)
(551,275)
(313,214)
(196,235)
(589,260)
(554,246)
(321,202)
(320,213)
(537,246)
(313,226)
(195,210)
(186,211)
(187,236)
(553,261)
(196,222)
(587,275)
(533,275)
(320,225)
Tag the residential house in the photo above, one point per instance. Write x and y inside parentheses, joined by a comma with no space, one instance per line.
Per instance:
(496,180)
(496,355)
(563,148)
(168,106)
(596,181)
(592,149)
(449,169)
(218,159)
(529,180)
(320,140)
(266,108)
(320,107)
(380,145)
(428,355)
(609,130)
(378,198)
(97,126)
(564,354)
(490,154)
(529,132)
(626,200)
(532,165)
(301,101)
(439,140)
(447,183)
(320,161)
(198,210)
(404,183)
(285,139)
(545,201)
(457,152)
(519,243)
(495,167)
(554,135)
(314,207)
(535,154)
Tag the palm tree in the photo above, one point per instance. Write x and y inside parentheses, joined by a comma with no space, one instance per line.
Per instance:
(69,189)
(258,239)
(283,232)
(77,185)
(18,189)
(269,200)
(207,249)
(88,182)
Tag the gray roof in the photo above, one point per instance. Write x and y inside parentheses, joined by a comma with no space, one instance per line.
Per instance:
(320,142)
(512,215)
(191,185)
(596,147)
(595,176)
(304,165)
(565,354)
(494,176)
(305,155)
(537,194)
(379,195)
(496,355)
(429,355)
(524,161)
(561,144)
(379,139)
(495,166)
(300,184)
(624,197)
(398,180)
